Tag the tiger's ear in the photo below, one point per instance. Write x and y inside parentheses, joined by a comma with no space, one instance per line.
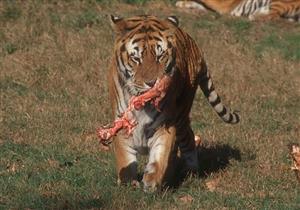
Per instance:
(174,20)
(117,23)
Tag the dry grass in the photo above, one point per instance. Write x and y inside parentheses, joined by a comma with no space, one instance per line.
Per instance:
(53,63)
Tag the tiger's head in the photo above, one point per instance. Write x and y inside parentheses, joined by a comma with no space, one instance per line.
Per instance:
(144,50)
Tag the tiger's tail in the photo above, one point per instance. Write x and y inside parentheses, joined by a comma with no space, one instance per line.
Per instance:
(214,99)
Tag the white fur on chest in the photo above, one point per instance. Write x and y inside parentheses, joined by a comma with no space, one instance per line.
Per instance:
(148,120)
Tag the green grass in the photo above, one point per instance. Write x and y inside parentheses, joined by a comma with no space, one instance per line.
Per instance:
(135,1)
(84,19)
(9,48)
(10,12)
(288,45)
(239,26)
(53,66)
(8,84)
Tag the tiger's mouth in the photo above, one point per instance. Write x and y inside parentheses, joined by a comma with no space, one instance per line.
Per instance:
(154,95)
(141,89)
(151,83)
(138,89)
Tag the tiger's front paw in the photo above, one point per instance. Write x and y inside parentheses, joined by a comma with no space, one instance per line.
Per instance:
(133,183)
(150,186)
(151,178)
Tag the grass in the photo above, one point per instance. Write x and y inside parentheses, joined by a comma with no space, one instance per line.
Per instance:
(85,19)
(9,48)
(288,45)
(53,66)
(239,25)
(10,12)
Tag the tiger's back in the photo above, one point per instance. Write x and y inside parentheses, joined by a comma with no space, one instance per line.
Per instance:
(146,49)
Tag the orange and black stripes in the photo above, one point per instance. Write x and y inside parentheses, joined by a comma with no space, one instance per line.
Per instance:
(287,9)
(146,49)
(253,9)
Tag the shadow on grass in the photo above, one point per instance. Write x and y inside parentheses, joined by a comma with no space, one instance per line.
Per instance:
(212,158)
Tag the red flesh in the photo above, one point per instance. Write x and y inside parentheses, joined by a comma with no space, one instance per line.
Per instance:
(155,94)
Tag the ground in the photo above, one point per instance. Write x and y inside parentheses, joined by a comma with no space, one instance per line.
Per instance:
(53,63)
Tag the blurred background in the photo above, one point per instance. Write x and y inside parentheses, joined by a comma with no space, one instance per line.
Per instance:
(54,58)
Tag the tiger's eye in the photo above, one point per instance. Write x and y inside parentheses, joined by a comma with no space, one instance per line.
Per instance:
(134,58)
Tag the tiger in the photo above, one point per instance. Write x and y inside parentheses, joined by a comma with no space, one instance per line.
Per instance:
(253,9)
(146,48)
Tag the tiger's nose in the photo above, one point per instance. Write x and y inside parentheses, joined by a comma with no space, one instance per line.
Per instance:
(151,83)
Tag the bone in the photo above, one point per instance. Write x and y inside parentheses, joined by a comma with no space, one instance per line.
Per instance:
(154,95)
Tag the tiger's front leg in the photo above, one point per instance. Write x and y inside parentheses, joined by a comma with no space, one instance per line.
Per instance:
(126,160)
(162,154)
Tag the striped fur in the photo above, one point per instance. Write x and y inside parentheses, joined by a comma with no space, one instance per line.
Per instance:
(253,9)
(146,48)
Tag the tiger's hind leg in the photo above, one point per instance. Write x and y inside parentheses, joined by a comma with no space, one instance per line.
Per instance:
(266,17)
(161,159)
(126,160)
(272,12)
(282,9)
(188,151)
